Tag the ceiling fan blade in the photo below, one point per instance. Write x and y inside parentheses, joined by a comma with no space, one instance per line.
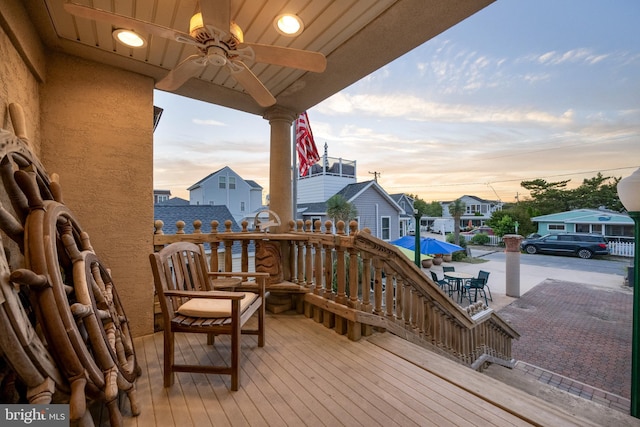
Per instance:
(216,14)
(190,67)
(251,84)
(288,57)
(121,21)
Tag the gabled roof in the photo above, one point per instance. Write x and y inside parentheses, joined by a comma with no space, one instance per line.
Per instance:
(475,198)
(253,184)
(353,191)
(189,213)
(316,208)
(398,196)
(586,216)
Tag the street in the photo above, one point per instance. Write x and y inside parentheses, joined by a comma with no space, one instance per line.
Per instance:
(604,265)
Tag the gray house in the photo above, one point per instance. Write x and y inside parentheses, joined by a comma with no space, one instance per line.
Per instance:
(376,209)
(225,187)
(407,220)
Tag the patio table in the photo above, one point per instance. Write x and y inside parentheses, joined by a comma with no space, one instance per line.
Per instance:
(459,278)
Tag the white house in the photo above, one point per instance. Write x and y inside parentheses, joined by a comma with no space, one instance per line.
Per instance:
(225,187)
(477,210)
(325,179)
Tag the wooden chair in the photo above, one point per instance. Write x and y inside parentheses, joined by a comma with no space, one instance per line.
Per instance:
(189,304)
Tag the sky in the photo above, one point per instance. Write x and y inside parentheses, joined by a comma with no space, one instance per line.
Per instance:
(524,89)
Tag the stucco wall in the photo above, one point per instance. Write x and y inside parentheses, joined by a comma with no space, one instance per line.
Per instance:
(97,134)
(17,85)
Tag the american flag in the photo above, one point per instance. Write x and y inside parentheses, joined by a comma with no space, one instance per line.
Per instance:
(305,145)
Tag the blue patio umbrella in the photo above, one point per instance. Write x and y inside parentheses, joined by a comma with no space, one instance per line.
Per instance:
(428,245)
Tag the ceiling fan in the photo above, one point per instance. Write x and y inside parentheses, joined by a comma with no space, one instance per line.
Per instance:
(219,42)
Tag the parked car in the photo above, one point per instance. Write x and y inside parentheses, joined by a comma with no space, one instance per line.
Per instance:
(581,244)
(482,229)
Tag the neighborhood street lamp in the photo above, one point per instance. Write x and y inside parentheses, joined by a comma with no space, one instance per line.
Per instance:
(416,252)
(629,193)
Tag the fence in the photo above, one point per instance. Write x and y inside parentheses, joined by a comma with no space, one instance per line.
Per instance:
(493,240)
(625,249)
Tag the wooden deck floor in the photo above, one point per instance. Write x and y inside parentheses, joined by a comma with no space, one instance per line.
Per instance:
(309,375)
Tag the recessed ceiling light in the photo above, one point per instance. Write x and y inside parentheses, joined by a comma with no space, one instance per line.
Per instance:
(289,25)
(129,38)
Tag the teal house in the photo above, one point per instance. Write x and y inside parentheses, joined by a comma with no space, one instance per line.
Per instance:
(613,225)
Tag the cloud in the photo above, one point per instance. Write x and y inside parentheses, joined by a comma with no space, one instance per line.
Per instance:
(413,108)
(207,122)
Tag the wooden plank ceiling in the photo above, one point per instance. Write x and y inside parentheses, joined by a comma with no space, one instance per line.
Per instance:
(356,36)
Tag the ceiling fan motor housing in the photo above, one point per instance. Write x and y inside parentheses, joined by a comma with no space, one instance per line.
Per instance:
(216,55)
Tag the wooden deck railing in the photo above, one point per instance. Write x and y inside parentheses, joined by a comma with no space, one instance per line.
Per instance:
(353,282)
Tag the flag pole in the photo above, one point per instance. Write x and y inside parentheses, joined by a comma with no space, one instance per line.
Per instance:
(294,171)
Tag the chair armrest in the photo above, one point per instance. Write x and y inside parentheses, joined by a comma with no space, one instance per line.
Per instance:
(205,294)
(260,277)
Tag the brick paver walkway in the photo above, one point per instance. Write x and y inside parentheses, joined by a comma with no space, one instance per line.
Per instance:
(576,337)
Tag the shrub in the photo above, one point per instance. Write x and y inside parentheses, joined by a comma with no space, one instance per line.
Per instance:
(480,239)
(460,255)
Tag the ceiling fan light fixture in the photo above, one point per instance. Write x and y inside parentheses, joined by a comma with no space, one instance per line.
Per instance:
(288,24)
(195,23)
(129,38)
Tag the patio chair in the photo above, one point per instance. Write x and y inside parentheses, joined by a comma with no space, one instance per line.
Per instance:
(189,304)
(478,285)
(442,283)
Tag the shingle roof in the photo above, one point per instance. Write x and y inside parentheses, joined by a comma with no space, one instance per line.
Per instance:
(252,183)
(352,190)
(174,201)
(189,213)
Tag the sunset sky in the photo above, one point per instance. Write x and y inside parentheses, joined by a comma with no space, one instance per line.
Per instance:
(523,89)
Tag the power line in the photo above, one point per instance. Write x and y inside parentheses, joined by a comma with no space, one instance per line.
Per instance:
(516,179)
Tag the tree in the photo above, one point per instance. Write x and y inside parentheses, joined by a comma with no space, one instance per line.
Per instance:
(548,197)
(339,209)
(597,192)
(434,209)
(552,197)
(457,208)
(424,208)
(516,213)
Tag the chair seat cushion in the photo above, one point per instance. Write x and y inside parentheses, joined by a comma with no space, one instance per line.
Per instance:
(208,308)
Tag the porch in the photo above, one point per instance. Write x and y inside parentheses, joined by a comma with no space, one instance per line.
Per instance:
(310,375)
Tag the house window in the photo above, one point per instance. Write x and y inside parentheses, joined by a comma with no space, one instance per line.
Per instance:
(222,182)
(556,227)
(472,209)
(583,228)
(241,204)
(385,225)
(232,183)
(619,230)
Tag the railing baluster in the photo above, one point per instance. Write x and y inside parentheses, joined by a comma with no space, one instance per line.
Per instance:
(377,286)
(389,290)
(308,258)
(341,296)
(317,261)
(366,282)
